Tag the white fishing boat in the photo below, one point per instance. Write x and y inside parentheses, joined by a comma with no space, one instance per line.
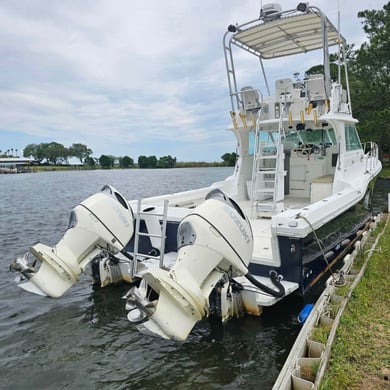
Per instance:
(299,196)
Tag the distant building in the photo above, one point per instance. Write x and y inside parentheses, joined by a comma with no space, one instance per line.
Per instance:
(16,164)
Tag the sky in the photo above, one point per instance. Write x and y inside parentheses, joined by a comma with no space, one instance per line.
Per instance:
(130,77)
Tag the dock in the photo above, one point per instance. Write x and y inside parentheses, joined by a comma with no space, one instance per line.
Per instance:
(309,357)
(10,165)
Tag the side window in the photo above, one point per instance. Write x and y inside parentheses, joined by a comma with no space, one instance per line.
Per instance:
(352,141)
(331,136)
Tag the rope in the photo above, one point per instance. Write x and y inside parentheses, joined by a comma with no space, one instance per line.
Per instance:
(322,249)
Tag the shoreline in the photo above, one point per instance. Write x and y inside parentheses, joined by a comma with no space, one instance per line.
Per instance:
(360,354)
(59,168)
(343,344)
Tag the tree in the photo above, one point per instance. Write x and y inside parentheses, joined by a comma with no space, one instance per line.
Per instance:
(80,151)
(147,162)
(142,161)
(89,161)
(152,162)
(350,55)
(31,150)
(34,150)
(126,162)
(229,159)
(55,153)
(105,161)
(166,162)
(371,78)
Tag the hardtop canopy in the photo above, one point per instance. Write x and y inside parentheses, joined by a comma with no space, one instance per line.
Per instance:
(287,35)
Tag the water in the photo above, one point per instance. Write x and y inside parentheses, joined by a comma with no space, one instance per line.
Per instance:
(84,340)
(380,198)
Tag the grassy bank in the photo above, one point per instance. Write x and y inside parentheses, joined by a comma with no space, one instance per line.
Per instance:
(385,172)
(50,168)
(44,168)
(192,164)
(360,357)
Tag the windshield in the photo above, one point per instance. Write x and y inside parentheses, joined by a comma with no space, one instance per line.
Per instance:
(312,136)
(270,137)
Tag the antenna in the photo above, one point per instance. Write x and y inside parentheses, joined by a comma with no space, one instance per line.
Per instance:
(339,41)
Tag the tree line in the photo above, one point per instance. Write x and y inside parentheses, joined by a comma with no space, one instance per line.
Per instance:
(370,84)
(369,78)
(108,162)
(54,153)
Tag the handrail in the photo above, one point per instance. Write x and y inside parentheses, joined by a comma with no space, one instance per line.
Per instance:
(371,153)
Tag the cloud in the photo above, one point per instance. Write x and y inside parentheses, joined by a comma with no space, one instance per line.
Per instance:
(128,77)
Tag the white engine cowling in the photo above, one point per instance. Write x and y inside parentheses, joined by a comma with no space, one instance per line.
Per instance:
(213,240)
(104,221)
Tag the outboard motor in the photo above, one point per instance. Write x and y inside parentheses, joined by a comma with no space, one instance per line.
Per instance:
(214,240)
(102,222)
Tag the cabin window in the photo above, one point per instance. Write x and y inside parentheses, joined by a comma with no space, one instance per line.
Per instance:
(266,137)
(251,146)
(352,141)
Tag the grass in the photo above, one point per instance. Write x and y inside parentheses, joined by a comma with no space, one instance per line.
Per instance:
(385,172)
(360,357)
(44,168)
(320,334)
(342,291)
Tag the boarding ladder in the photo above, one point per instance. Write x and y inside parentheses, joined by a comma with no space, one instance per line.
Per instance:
(156,232)
(267,171)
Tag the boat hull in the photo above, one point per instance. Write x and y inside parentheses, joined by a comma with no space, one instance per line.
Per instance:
(309,261)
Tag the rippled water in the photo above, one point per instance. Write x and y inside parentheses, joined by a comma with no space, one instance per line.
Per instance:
(84,340)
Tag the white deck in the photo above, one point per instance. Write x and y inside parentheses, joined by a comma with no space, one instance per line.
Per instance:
(147,262)
(261,228)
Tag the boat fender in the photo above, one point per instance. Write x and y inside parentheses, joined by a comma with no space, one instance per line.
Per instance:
(275,278)
(305,312)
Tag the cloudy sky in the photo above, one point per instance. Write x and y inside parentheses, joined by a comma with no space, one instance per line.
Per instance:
(129,77)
